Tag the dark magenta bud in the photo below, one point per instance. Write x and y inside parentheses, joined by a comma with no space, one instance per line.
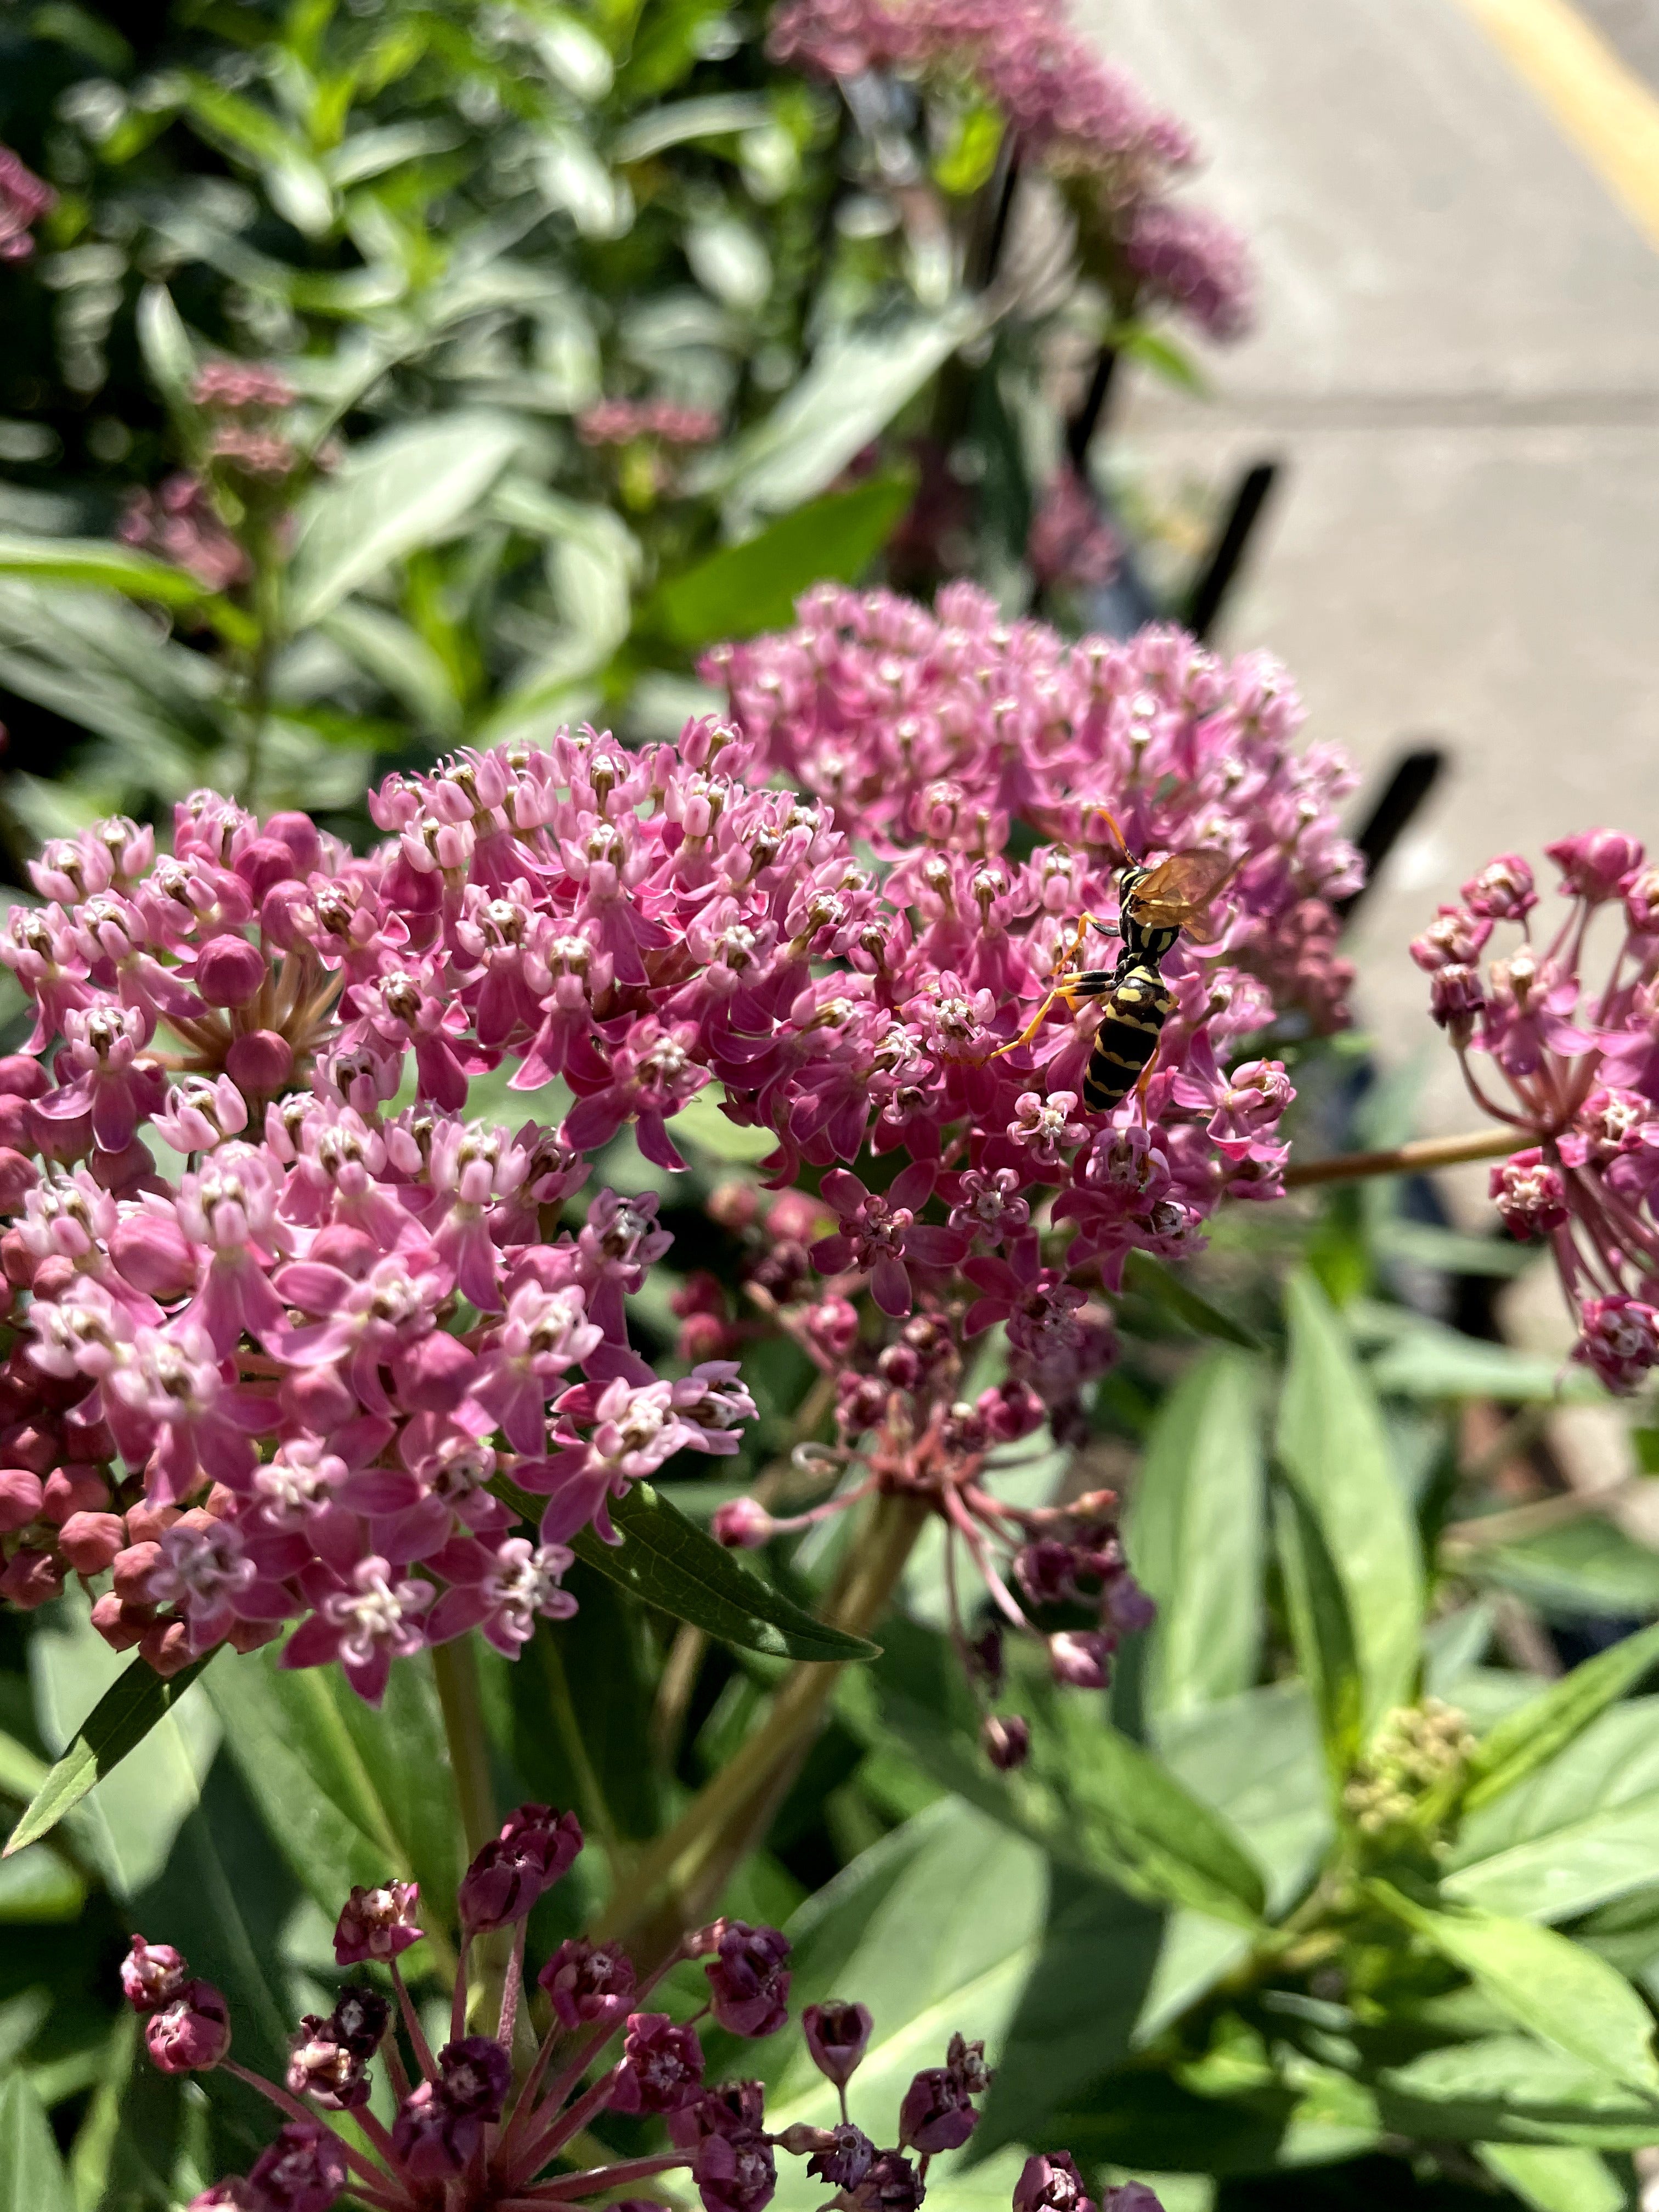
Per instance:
(1006,1739)
(735,2108)
(845,2159)
(1051,2183)
(475,2074)
(936,2114)
(748,1982)
(891,2185)
(535,1848)
(303,2171)
(661,2069)
(586,1981)
(734,2173)
(837,2035)
(261,1062)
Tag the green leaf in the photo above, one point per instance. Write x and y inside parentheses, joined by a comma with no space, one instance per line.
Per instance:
(1588,1566)
(137,1701)
(1323,1632)
(1425,1359)
(1557,1876)
(701,1121)
(715,115)
(668,1561)
(970,158)
(1332,1445)
(1195,1533)
(165,344)
(1090,1794)
(39,1886)
(1160,354)
(746,588)
(1553,2178)
(398,657)
(347,1796)
(856,385)
(1529,1737)
(1507,2088)
(1255,1757)
(409,487)
(937,1928)
(296,187)
(31,2176)
(92,564)
(1176,1296)
(1555,1988)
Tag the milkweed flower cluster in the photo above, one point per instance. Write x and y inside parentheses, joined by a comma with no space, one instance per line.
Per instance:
(313,1372)
(245,465)
(1575,1048)
(1067,111)
(619,421)
(475,2134)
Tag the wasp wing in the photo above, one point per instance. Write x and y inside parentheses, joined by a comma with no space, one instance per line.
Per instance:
(1173,895)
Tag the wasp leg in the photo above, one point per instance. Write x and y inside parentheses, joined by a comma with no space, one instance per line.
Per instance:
(1140,1087)
(1067,990)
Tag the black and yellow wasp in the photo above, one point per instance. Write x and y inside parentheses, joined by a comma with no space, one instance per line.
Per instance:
(1157,906)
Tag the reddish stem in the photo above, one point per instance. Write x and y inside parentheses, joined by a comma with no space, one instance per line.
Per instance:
(423,2059)
(374,2175)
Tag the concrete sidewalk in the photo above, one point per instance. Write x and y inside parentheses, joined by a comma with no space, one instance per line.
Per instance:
(1458,361)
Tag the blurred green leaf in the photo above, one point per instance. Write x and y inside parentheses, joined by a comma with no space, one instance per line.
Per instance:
(715,115)
(89,562)
(1333,1444)
(39,1885)
(398,657)
(1255,1757)
(1589,1565)
(1549,2178)
(165,344)
(31,2176)
(1160,353)
(410,487)
(743,589)
(701,1121)
(1553,1988)
(297,188)
(1422,1358)
(1194,1531)
(137,1702)
(1174,1295)
(856,385)
(1532,1736)
(968,162)
(1509,2089)
(1557,1876)
(1323,1632)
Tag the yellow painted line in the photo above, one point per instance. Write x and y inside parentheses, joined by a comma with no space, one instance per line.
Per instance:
(1603,107)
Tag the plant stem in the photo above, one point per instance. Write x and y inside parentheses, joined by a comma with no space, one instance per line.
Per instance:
(455,1670)
(684,1872)
(1404,1159)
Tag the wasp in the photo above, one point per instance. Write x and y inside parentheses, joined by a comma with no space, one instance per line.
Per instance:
(1157,906)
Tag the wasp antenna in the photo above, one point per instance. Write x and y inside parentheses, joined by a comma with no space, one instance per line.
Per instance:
(1122,841)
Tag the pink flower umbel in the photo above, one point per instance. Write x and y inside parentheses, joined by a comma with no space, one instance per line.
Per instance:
(472,2132)
(1575,1051)
(343,1344)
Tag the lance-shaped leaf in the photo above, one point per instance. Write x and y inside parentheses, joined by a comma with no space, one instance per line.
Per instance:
(32,2175)
(1555,1988)
(1529,1737)
(133,1704)
(1321,1630)
(1555,2176)
(1335,1448)
(95,565)
(1173,1295)
(668,1561)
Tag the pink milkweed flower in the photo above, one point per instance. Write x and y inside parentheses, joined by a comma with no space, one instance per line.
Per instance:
(1619,1338)
(24,198)
(879,1233)
(175,1413)
(661,2069)
(636,1430)
(515,1586)
(748,1984)
(544,1335)
(152,1975)
(476,1167)
(228,1209)
(1051,2183)
(190,2031)
(208,1572)
(200,1112)
(1502,890)
(111,1079)
(1035,1302)
(645,1077)
(365,1624)
(837,2036)
(1595,863)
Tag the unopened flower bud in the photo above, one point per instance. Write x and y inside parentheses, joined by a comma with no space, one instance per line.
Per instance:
(1595,862)
(742,1524)
(230,972)
(152,1975)
(189,2033)
(748,1982)
(1081,1659)
(837,2035)
(535,1848)
(1006,1739)
(936,2115)
(260,1063)
(1051,2183)
(587,1981)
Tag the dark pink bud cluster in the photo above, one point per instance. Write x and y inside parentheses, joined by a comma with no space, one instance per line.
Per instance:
(470,2131)
(1070,545)
(186,2022)
(178,522)
(535,1848)
(1576,1053)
